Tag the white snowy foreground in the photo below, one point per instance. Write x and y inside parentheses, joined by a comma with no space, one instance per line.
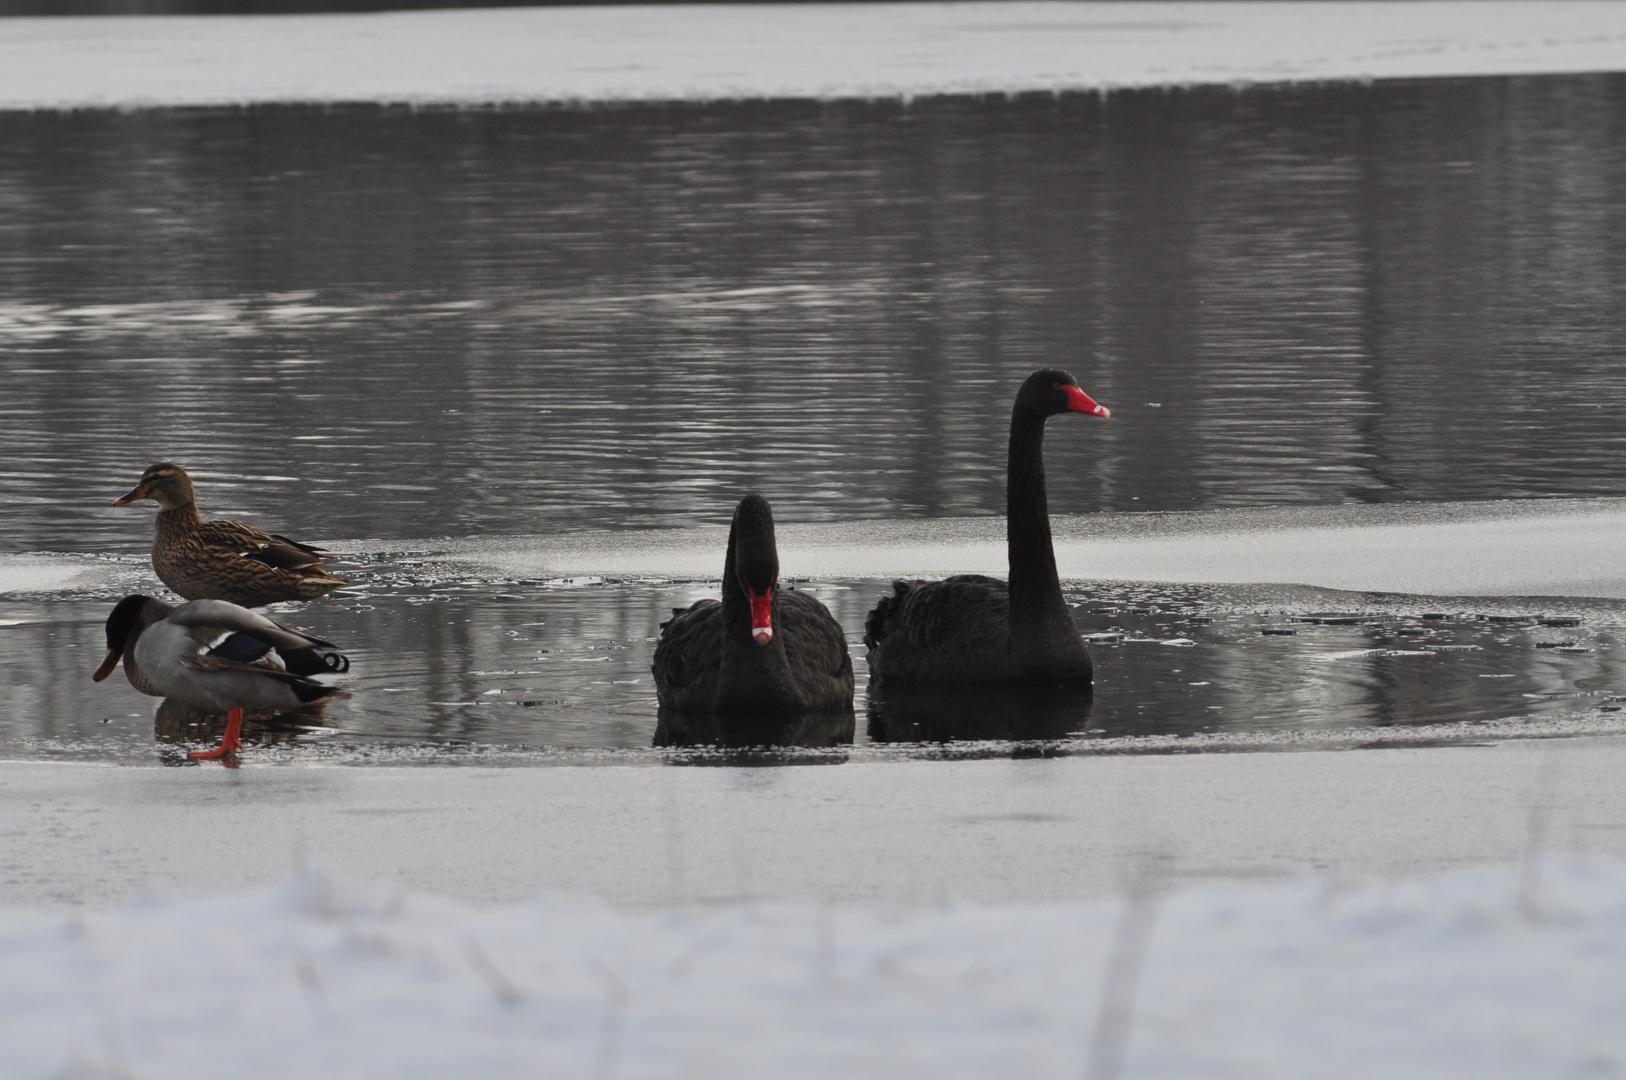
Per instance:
(904,919)
(708,52)
(1503,971)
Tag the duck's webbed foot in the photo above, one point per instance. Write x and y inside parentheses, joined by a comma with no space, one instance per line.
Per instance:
(230,743)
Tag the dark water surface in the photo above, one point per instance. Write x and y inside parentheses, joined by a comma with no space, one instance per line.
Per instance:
(492,670)
(364,322)
(394,324)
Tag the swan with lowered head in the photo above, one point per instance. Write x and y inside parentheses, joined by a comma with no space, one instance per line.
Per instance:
(763,649)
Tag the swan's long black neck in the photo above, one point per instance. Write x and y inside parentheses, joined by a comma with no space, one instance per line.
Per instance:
(1038,612)
(736,604)
(750,673)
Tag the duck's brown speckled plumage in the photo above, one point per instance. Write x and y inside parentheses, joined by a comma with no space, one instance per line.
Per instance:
(224,560)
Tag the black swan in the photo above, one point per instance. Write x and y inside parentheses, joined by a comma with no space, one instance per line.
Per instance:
(971,630)
(764,649)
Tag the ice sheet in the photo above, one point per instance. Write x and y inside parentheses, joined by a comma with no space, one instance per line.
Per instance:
(994,831)
(32,575)
(705,52)
(1558,547)
(953,919)
(1536,548)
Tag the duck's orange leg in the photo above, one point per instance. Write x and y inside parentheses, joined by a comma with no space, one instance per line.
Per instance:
(230,743)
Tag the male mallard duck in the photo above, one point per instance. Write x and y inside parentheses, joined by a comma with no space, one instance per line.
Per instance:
(224,560)
(217,655)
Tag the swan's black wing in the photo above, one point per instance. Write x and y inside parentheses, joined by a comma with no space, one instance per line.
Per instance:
(942,614)
(953,631)
(813,638)
(815,647)
(877,624)
(688,656)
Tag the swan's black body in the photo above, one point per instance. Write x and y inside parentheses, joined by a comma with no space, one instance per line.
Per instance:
(977,631)
(709,661)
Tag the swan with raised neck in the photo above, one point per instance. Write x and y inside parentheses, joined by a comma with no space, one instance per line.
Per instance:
(976,630)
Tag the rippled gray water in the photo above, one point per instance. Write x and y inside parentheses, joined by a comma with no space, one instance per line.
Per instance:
(361,323)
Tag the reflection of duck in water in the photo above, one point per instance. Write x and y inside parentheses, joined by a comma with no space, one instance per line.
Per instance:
(224,560)
(216,655)
(971,630)
(763,652)
(179,723)
(961,713)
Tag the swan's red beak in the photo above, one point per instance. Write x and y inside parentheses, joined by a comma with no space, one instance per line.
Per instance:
(1079,401)
(761,616)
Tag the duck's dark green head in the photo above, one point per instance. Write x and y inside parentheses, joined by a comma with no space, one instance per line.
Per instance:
(129,617)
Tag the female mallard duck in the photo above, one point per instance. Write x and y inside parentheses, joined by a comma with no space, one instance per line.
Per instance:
(224,560)
(219,656)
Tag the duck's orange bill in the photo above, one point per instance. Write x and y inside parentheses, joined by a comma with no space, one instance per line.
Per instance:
(1079,401)
(109,662)
(761,616)
(138,492)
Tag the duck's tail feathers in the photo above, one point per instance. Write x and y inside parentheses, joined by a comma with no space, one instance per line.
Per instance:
(319,583)
(314,662)
(307,691)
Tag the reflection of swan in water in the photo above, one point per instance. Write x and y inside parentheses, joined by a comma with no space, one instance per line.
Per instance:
(811,730)
(952,714)
(179,723)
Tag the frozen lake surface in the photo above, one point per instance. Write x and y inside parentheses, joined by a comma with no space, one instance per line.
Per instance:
(708,52)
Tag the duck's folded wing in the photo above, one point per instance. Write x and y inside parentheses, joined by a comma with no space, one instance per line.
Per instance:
(309,549)
(210,619)
(284,555)
(232,534)
(259,545)
(207,662)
